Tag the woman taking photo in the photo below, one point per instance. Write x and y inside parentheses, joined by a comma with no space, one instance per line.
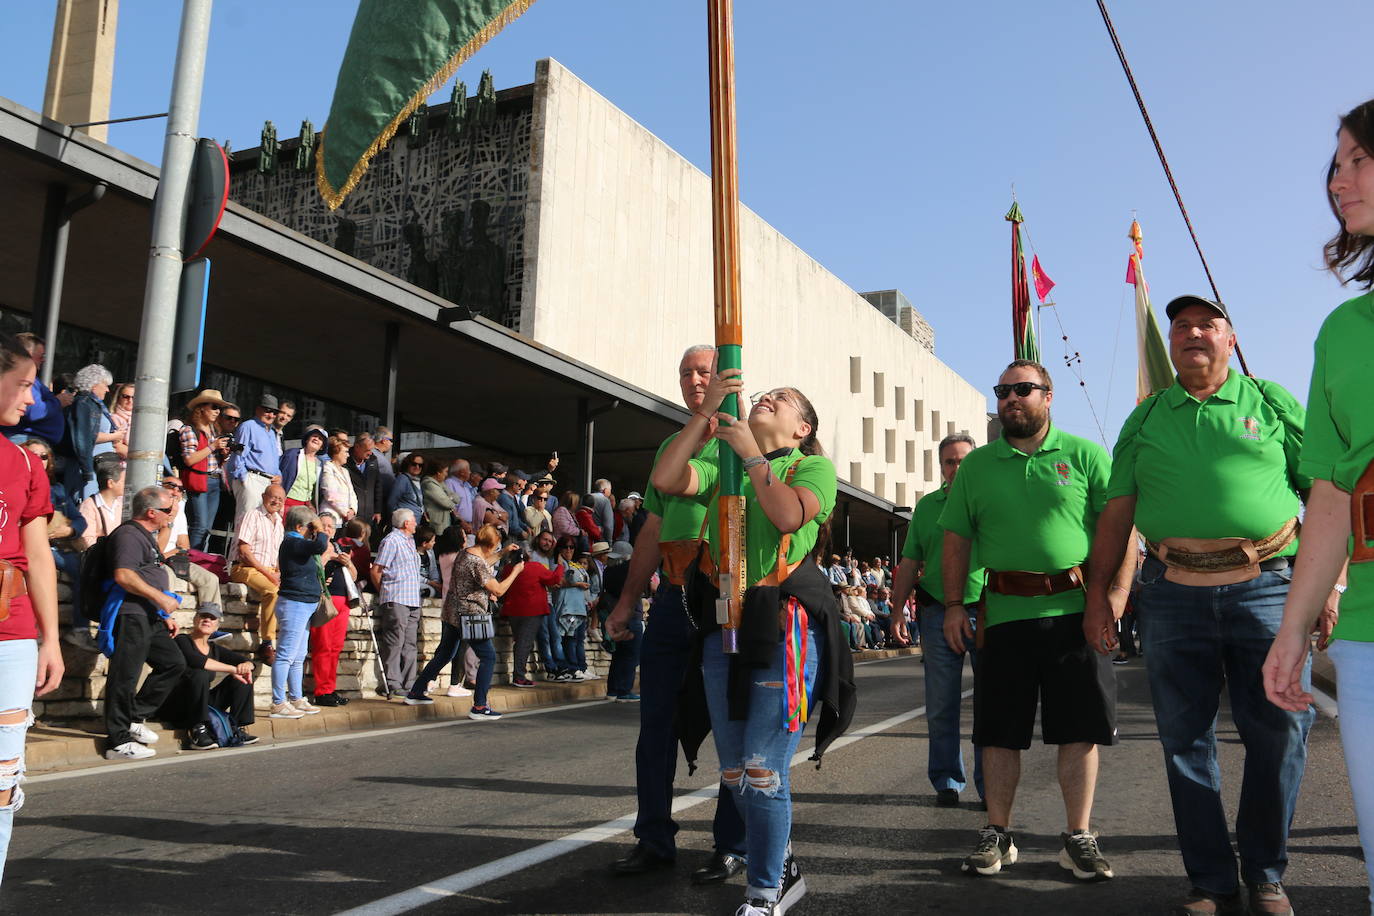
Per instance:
(299,559)
(467,617)
(570,604)
(201,444)
(1338,446)
(789,634)
(27,669)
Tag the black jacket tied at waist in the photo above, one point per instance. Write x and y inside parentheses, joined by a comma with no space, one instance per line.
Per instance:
(834,692)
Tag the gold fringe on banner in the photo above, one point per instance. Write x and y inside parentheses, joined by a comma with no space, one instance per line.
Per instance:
(332,197)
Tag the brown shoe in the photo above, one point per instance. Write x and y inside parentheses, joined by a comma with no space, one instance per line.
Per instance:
(1269,899)
(1205,903)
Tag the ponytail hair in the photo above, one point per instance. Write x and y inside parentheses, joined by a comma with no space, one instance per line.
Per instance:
(810,445)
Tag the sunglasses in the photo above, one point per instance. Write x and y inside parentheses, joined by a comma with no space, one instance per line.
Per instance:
(175,487)
(1022,389)
(166,509)
(230,417)
(126,397)
(44,455)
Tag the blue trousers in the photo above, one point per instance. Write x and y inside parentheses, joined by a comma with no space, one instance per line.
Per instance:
(550,643)
(669,638)
(624,661)
(944,677)
(1197,639)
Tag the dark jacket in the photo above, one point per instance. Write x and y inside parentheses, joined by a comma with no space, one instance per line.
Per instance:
(368,485)
(290,467)
(758,639)
(43,418)
(83,425)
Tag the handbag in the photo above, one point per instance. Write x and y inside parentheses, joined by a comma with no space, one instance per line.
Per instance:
(478,626)
(325,611)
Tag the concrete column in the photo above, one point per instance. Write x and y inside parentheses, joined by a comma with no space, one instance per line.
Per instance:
(81,65)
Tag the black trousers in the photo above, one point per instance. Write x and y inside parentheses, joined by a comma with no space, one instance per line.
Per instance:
(139,639)
(186,706)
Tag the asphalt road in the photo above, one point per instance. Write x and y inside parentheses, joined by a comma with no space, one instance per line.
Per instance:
(523,815)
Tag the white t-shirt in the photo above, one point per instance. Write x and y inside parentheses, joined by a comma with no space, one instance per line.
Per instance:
(179,528)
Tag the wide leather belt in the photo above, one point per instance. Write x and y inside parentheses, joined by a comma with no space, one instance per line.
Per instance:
(12,585)
(1034,584)
(1362,516)
(1220,561)
(676,559)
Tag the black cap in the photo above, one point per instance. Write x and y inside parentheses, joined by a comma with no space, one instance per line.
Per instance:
(1182,302)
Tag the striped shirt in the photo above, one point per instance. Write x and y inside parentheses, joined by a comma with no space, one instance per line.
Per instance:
(190,444)
(262,532)
(400,563)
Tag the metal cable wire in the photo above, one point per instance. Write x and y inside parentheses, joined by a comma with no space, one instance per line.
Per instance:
(1168,173)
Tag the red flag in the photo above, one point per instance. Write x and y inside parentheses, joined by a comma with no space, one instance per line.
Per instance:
(1137,237)
(1043,283)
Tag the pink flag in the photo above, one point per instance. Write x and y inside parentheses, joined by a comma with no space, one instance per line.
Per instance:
(1043,283)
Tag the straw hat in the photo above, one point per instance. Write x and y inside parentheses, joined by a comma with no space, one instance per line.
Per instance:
(208,396)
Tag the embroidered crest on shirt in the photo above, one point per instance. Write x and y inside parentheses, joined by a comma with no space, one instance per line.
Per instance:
(1063,470)
(1252,428)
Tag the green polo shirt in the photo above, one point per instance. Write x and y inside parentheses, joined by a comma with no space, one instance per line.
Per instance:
(1226,467)
(682,515)
(925,546)
(761,538)
(1035,513)
(1340,434)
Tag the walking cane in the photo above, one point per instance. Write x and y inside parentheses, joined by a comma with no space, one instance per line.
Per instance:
(377,651)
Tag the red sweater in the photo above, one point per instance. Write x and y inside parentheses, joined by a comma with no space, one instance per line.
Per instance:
(526,596)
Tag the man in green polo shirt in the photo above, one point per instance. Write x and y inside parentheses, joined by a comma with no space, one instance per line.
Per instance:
(944,668)
(667,543)
(1207,471)
(1026,505)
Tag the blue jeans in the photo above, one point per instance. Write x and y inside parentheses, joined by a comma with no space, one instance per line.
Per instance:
(200,513)
(944,678)
(550,643)
(1355,697)
(760,743)
(293,640)
(18,671)
(575,648)
(1196,639)
(624,661)
(669,640)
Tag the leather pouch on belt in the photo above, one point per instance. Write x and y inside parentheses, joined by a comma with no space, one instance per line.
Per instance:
(12,585)
(1231,560)
(676,558)
(1362,516)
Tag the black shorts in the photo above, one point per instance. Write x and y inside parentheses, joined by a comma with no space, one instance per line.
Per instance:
(1045,660)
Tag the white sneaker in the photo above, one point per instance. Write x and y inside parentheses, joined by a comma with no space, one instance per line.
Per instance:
(579,676)
(129,750)
(590,676)
(142,733)
(305,706)
(285,710)
(458,690)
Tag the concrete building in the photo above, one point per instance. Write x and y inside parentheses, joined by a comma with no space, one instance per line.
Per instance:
(548,210)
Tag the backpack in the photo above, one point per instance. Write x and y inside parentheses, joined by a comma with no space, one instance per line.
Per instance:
(222,727)
(172,449)
(95,577)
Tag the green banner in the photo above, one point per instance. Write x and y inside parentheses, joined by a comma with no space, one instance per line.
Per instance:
(399,53)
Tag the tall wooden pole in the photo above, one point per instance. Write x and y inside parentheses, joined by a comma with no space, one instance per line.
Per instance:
(729,316)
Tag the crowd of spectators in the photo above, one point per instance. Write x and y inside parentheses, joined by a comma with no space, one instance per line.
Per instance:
(863,590)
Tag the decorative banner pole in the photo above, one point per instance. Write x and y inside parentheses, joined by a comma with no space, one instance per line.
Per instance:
(728,314)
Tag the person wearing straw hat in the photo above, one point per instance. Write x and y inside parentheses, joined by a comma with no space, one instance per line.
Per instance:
(201,445)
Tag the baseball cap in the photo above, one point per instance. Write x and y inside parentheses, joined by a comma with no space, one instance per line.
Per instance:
(1182,302)
(491,483)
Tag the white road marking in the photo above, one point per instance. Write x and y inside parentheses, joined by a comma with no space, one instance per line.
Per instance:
(112,768)
(457,883)
(1325,702)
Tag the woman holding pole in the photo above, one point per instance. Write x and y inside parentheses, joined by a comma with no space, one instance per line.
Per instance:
(1337,452)
(789,649)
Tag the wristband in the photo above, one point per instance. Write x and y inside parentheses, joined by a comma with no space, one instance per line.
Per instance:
(952,604)
(705,416)
(753,462)
(1339,589)
(1118,588)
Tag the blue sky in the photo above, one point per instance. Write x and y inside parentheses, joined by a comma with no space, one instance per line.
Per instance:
(886,144)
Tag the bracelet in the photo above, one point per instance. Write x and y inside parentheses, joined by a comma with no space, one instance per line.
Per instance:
(1339,589)
(754,462)
(1119,588)
(950,604)
(705,416)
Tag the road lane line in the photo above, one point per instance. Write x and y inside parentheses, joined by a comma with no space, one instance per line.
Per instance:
(1325,702)
(457,883)
(198,757)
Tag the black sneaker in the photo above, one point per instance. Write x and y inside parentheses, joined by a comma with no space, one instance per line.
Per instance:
(1082,857)
(327,699)
(793,884)
(201,738)
(947,798)
(246,739)
(995,848)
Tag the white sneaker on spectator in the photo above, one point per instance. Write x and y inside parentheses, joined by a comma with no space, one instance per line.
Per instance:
(579,676)
(458,690)
(142,733)
(285,710)
(129,750)
(590,676)
(305,706)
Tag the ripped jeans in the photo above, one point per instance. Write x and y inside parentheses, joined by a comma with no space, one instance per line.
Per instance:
(756,754)
(18,671)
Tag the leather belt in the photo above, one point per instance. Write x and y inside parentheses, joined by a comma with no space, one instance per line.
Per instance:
(676,559)
(12,585)
(926,597)
(1034,584)
(1221,561)
(261,473)
(1362,516)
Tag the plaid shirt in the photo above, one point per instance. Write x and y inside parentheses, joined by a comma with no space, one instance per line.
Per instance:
(400,563)
(190,445)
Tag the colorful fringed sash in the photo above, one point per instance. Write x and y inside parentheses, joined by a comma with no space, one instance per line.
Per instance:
(794,648)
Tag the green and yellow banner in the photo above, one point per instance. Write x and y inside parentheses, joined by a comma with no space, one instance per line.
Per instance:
(399,53)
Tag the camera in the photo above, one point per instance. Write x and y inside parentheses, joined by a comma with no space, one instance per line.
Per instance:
(236,447)
(519,555)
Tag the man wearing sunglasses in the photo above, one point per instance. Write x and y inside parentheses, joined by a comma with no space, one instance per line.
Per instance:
(143,628)
(256,460)
(1207,470)
(1026,506)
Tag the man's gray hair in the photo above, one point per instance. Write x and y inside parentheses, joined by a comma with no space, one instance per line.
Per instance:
(601,484)
(698,348)
(955,438)
(401,516)
(147,498)
(87,377)
(107,470)
(297,516)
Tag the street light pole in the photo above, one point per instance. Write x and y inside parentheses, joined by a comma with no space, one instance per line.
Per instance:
(147,436)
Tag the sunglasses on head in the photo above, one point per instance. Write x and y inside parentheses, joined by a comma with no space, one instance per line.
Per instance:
(1022,389)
